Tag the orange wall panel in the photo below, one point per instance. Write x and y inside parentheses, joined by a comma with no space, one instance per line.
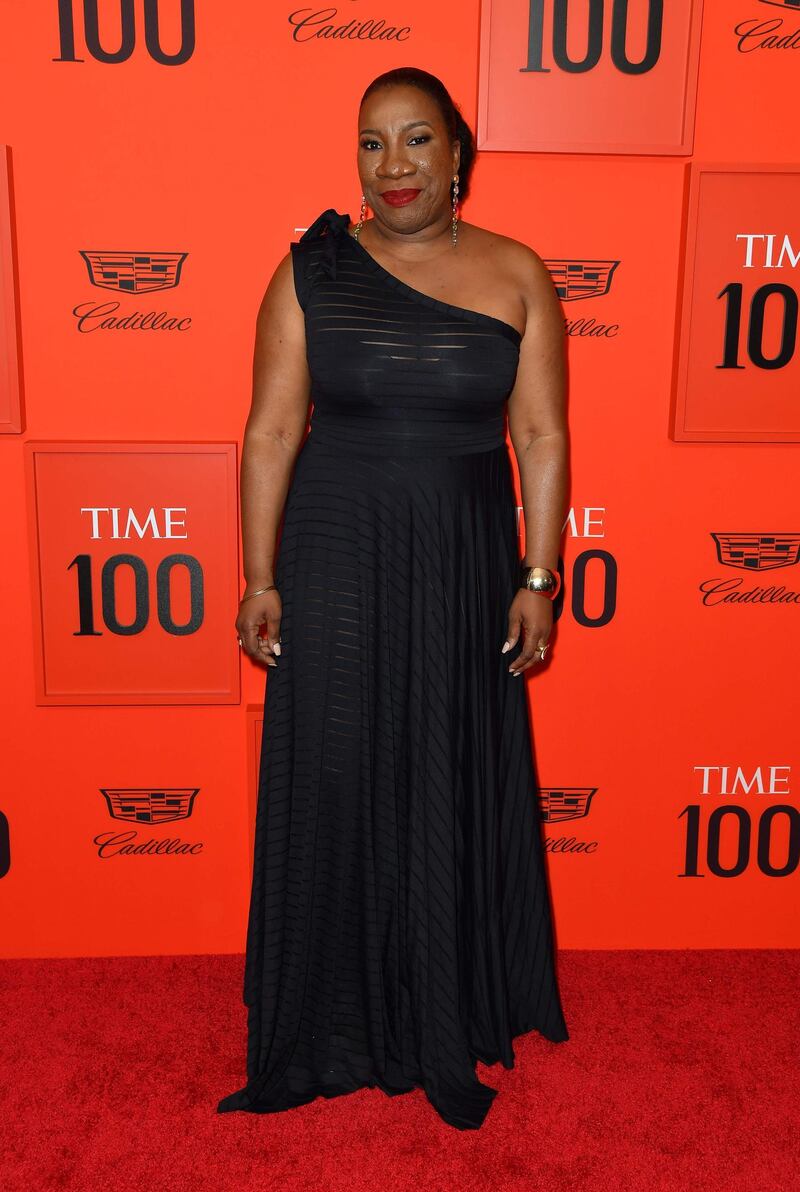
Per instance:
(157,177)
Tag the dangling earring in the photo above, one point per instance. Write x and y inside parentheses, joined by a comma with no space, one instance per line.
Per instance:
(455,209)
(362,214)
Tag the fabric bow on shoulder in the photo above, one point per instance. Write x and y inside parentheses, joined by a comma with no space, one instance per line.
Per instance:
(330,227)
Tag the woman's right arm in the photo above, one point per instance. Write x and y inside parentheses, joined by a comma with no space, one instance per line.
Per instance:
(273,433)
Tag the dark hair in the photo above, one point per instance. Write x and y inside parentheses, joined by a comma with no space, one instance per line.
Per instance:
(413,76)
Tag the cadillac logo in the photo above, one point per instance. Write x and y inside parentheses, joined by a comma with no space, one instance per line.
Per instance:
(757,552)
(565,803)
(581,279)
(144,806)
(134,272)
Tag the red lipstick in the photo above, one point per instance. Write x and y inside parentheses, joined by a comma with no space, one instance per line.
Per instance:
(399,198)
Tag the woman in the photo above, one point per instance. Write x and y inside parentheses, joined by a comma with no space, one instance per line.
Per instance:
(400,925)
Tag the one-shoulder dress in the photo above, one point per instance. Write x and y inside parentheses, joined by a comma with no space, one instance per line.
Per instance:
(400,920)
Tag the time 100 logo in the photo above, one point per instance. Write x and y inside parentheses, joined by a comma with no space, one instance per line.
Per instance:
(767,838)
(117,523)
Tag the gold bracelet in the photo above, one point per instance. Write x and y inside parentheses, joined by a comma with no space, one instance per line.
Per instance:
(257,593)
(540,579)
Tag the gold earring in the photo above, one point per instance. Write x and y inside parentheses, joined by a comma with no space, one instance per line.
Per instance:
(455,209)
(362,214)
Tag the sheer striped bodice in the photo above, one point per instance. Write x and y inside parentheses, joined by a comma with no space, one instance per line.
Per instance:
(393,368)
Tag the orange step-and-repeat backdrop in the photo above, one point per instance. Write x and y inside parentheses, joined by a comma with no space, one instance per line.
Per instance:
(158,157)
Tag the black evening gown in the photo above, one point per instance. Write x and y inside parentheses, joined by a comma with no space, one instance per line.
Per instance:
(400,922)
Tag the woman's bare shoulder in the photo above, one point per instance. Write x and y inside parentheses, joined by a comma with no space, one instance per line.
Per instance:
(280,298)
(517,261)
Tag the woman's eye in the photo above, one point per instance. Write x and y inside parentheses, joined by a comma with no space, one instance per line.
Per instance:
(423,136)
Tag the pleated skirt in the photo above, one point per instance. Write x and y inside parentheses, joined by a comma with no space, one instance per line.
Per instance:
(400,922)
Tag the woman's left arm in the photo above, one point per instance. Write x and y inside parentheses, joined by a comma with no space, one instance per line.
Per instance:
(537,424)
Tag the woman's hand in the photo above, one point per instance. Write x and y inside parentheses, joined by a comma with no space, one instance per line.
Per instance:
(533,612)
(260,610)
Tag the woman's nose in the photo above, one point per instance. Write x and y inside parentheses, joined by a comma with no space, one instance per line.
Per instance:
(395,162)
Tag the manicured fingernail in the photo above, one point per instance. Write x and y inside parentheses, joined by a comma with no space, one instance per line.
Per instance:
(507,646)
(277,647)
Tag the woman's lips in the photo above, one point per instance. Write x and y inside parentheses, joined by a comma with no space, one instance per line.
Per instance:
(399,198)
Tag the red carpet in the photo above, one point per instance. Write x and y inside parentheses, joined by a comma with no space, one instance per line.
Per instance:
(682,1072)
